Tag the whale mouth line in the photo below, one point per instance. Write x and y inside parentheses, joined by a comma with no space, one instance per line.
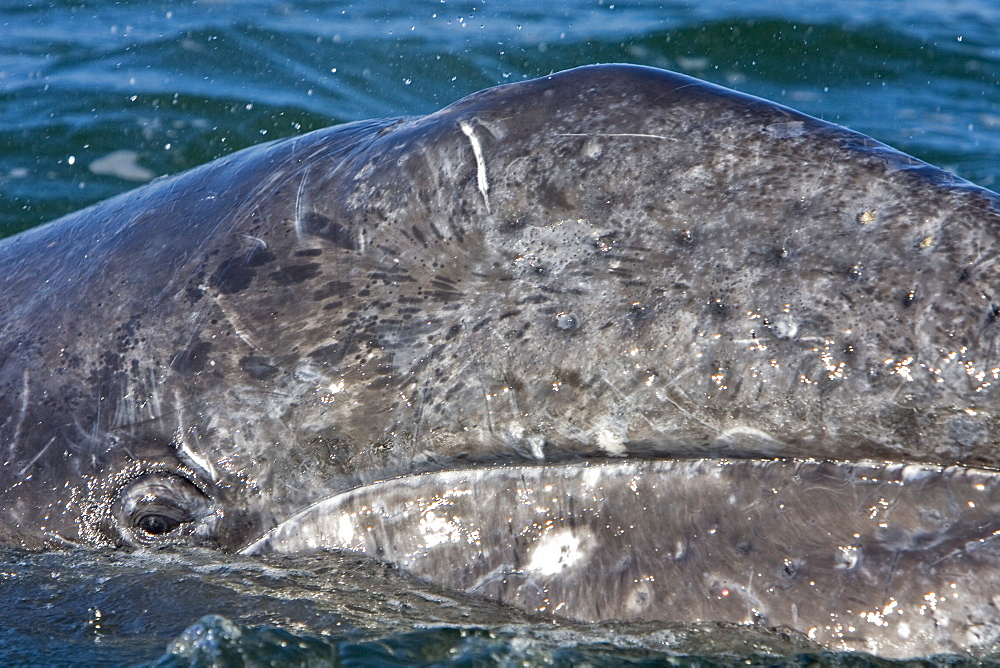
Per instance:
(402,498)
(605,540)
(411,507)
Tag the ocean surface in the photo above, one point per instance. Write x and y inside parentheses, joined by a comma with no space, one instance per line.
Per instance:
(97,97)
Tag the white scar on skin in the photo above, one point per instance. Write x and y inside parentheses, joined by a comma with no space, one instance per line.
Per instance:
(238,327)
(26,467)
(477,150)
(25,394)
(180,444)
(614,134)
(300,204)
(631,134)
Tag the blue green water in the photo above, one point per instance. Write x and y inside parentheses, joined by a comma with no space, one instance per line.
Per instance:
(183,83)
(174,85)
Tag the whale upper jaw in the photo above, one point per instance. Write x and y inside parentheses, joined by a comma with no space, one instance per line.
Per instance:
(881,557)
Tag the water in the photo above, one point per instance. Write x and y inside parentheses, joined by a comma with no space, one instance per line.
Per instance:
(195,608)
(183,83)
(97,97)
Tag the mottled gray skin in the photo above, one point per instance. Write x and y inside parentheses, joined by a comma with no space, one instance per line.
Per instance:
(608,262)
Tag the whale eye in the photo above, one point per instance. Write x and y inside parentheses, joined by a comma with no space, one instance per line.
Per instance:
(157,506)
(155,525)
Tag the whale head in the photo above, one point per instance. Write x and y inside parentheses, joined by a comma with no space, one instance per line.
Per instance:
(615,325)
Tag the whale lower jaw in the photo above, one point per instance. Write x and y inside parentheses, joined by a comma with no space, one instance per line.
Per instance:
(896,559)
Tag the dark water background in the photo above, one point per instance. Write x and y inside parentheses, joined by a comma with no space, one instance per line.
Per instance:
(97,97)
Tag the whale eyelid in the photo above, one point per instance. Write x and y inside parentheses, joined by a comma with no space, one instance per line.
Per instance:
(156,504)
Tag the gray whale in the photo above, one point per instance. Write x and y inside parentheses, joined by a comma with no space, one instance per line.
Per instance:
(611,344)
